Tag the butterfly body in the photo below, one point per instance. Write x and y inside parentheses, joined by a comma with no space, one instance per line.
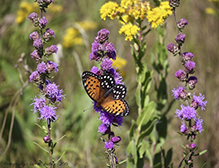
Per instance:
(108,95)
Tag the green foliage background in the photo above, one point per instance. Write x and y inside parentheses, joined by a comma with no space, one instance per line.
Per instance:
(82,144)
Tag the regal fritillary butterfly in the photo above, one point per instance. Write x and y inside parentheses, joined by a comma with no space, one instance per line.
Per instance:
(108,95)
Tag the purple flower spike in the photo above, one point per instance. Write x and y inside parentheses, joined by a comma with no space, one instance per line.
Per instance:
(42,68)
(42,22)
(109,145)
(102,36)
(187,56)
(53,93)
(180,38)
(173,49)
(182,23)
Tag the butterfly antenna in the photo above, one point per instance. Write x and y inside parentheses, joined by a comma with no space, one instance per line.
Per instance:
(87,109)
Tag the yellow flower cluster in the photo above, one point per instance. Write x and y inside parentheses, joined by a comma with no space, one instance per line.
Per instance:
(129,30)
(72,37)
(157,15)
(108,10)
(25,8)
(87,25)
(119,63)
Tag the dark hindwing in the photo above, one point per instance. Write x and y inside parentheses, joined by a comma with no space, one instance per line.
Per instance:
(91,84)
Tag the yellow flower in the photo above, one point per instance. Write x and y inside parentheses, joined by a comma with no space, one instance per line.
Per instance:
(25,8)
(109,9)
(157,15)
(119,63)
(213,0)
(126,19)
(71,38)
(210,11)
(55,8)
(87,25)
(129,30)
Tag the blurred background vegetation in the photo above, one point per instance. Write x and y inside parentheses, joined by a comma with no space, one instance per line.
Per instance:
(76,23)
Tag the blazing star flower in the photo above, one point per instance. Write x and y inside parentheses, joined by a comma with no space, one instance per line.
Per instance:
(53,93)
(52,66)
(42,22)
(102,36)
(198,124)
(106,64)
(192,82)
(179,93)
(42,68)
(35,55)
(180,38)
(186,112)
(173,48)
(183,127)
(34,18)
(50,50)
(38,44)
(198,101)
(190,65)
(48,113)
(96,70)
(110,51)
(35,76)
(48,34)
(103,128)
(182,23)
(33,36)
(187,56)
(109,145)
(181,75)
(38,104)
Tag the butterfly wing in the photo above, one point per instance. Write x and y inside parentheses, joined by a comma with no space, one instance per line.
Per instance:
(91,84)
(115,102)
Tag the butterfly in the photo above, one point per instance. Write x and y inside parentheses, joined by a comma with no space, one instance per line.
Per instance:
(108,95)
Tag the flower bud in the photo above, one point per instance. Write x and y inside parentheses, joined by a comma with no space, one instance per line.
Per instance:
(46,139)
(192,82)
(187,56)
(192,146)
(180,38)
(173,49)
(174,3)
(116,139)
(181,75)
(182,23)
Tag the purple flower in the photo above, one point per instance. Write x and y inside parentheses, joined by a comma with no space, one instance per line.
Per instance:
(186,112)
(180,38)
(118,120)
(52,66)
(109,145)
(38,104)
(106,64)
(192,82)
(34,36)
(96,70)
(35,55)
(182,23)
(183,127)
(46,139)
(117,77)
(48,34)
(35,76)
(187,56)
(103,128)
(42,22)
(110,51)
(173,48)
(179,93)
(116,139)
(38,44)
(106,118)
(50,50)
(53,93)
(42,68)
(198,124)
(48,113)
(190,65)
(102,36)
(34,18)
(198,101)
(192,146)
(181,75)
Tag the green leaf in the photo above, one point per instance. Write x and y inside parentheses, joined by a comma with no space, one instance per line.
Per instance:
(132,129)
(143,147)
(132,151)
(201,153)
(146,114)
